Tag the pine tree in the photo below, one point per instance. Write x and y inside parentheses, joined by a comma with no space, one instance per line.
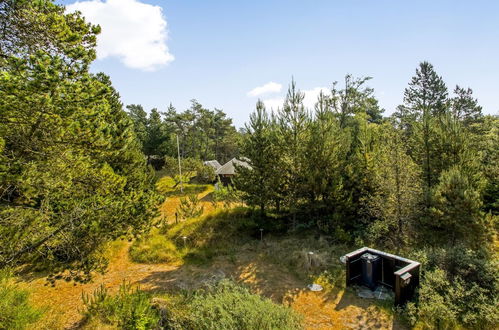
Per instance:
(456,207)
(464,107)
(326,148)
(425,103)
(293,119)
(398,189)
(259,148)
(72,176)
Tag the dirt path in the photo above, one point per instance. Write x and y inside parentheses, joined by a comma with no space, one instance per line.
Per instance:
(65,299)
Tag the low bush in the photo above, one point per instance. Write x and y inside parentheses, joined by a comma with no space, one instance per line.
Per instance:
(15,310)
(154,248)
(230,306)
(129,309)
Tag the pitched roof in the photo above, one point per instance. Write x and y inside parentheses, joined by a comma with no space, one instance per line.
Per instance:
(213,163)
(229,168)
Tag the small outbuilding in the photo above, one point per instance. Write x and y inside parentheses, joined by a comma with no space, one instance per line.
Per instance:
(213,163)
(372,268)
(228,170)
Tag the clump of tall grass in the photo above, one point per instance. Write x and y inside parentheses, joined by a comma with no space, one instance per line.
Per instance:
(154,248)
(15,310)
(128,309)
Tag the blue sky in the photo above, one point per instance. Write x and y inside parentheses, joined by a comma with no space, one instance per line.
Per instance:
(224,49)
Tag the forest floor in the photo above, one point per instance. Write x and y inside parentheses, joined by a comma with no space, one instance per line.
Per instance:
(332,309)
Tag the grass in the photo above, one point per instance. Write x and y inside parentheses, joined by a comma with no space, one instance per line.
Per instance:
(214,234)
(16,312)
(165,186)
(129,309)
(154,248)
(168,187)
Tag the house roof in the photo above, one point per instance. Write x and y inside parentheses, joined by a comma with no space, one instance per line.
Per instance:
(213,163)
(229,168)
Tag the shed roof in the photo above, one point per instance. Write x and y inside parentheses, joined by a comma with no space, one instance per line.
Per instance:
(213,163)
(229,168)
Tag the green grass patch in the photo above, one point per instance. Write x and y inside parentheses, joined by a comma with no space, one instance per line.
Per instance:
(167,186)
(206,237)
(15,310)
(154,248)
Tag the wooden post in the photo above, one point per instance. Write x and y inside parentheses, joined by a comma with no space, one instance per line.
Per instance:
(179,167)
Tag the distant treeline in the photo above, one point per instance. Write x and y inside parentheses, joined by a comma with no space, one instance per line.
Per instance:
(202,133)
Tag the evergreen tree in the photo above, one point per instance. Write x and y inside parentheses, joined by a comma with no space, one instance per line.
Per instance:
(354,98)
(425,103)
(260,150)
(464,107)
(293,120)
(457,204)
(394,204)
(139,119)
(325,153)
(72,176)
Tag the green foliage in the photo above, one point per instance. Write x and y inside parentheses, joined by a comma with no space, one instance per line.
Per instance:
(154,248)
(259,184)
(203,134)
(397,193)
(205,237)
(129,309)
(165,185)
(227,195)
(231,306)
(457,207)
(16,311)
(214,234)
(459,287)
(72,176)
(190,207)
(192,169)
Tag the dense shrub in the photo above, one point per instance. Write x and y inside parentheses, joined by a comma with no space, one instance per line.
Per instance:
(15,310)
(459,287)
(129,309)
(230,306)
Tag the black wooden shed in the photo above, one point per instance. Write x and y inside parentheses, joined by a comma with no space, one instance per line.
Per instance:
(397,273)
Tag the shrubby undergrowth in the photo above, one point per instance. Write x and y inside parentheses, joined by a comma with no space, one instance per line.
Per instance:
(225,305)
(459,287)
(15,310)
(197,239)
(128,309)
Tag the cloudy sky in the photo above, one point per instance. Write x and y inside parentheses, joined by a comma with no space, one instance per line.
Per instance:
(228,54)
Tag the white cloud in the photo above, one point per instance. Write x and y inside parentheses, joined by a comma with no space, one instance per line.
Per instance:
(270,87)
(273,104)
(311,96)
(309,100)
(133,31)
